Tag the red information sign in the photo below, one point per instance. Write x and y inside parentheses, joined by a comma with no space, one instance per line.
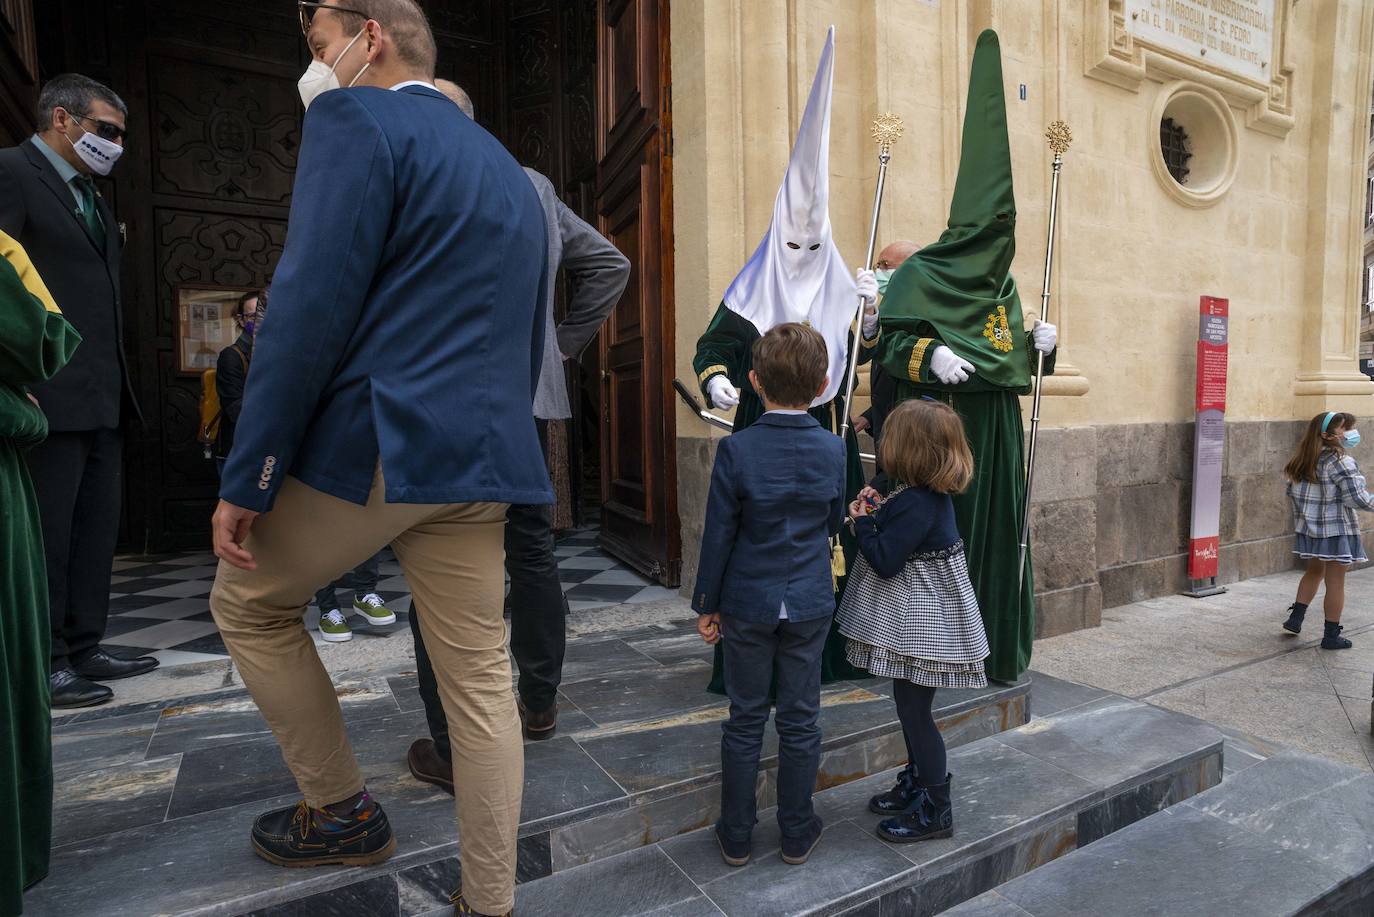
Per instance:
(1210,438)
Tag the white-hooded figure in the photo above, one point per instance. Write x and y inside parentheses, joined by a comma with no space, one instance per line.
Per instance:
(796,274)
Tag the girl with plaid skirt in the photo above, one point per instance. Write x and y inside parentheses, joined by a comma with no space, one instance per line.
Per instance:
(909,612)
(1325,487)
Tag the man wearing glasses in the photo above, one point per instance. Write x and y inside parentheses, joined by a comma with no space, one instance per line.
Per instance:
(389,404)
(49,203)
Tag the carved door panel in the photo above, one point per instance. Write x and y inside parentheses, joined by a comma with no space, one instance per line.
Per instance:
(18,70)
(638,478)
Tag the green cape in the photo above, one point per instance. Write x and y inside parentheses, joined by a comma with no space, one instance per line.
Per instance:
(962,285)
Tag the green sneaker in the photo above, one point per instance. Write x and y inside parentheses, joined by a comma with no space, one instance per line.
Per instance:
(373,607)
(334,627)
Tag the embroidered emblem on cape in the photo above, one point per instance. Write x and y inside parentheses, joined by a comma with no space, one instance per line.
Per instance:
(998,331)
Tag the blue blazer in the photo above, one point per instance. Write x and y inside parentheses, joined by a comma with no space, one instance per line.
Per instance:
(406,321)
(777,494)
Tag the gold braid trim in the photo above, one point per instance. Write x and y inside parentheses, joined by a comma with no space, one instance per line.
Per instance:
(710,371)
(918,356)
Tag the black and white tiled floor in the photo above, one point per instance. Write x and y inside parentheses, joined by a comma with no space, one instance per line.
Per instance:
(160,605)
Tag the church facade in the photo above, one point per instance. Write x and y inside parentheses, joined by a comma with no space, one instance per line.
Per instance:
(1219,149)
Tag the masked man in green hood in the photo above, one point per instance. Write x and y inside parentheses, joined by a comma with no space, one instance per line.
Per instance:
(952,330)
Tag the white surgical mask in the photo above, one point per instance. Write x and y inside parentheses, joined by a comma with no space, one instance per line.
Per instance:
(95,151)
(319,77)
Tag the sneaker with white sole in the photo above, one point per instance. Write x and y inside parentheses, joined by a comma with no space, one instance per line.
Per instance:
(373,607)
(334,627)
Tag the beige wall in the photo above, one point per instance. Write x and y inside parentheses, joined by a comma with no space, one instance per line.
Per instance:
(1283,244)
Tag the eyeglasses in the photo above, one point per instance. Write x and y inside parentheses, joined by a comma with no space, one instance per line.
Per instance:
(104,129)
(307,11)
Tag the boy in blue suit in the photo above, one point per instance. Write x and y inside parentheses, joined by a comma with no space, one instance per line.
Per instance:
(764,587)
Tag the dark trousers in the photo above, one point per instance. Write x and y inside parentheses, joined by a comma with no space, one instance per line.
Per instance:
(538,620)
(78,481)
(362,579)
(755,656)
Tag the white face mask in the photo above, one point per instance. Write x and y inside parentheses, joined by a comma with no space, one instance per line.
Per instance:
(320,78)
(95,151)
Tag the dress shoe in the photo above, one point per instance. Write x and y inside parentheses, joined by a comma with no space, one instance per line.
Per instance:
(69,689)
(540,725)
(102,666)
(427,766)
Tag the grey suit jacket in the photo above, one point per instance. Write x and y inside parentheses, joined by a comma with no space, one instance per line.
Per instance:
(596,276)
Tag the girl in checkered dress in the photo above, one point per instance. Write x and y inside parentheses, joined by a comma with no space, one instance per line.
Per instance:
(1325,487)
(909,611)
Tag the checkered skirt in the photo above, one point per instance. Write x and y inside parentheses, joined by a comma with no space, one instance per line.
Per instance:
(921,625)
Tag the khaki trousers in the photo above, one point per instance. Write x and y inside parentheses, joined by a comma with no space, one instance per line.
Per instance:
(453,557)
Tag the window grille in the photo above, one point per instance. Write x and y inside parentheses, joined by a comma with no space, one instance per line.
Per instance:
(1174,144)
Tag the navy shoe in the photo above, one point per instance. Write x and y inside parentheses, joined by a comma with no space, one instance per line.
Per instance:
(797,850)
(300,836)
(1295,615)
(898,799)
(734,853)
(1332,639)
(932,817)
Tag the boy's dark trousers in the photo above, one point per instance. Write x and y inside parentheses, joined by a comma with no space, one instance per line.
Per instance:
(756,654)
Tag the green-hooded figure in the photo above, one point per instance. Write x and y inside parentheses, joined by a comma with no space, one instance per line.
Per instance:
(952,329)
(35,342)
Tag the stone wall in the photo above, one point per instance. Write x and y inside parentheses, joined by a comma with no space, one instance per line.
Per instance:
(1111,510)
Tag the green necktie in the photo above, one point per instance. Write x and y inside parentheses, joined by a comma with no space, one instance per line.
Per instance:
(89,213)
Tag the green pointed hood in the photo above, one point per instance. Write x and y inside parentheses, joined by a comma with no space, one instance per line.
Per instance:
(962,284)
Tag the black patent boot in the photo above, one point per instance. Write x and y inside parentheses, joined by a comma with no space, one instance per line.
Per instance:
(1296,612)
(931,817)
(1332,639)
(898,799)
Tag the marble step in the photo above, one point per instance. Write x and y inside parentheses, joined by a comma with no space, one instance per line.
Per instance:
(1291,835)
(1022,798)
(154,802)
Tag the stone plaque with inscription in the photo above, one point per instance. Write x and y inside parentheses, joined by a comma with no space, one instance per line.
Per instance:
(1232,35)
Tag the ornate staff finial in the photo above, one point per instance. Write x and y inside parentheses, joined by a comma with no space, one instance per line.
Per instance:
(887,130)
(1059,137)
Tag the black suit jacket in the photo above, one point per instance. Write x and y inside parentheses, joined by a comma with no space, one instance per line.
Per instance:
(37,208)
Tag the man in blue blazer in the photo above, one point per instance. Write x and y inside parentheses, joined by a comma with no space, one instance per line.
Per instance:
(764,587)
(389,403)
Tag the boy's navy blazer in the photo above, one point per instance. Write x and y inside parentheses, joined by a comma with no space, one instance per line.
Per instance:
(777,494)
(406,319)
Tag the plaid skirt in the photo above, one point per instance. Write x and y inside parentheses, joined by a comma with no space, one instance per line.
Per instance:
(921,625)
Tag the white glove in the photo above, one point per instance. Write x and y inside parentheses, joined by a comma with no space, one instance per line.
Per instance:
(948,367)
(868,286)
(870,324)
(1045,336)
(723,394)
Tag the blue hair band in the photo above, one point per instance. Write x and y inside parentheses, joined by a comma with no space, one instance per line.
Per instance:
(1327,422)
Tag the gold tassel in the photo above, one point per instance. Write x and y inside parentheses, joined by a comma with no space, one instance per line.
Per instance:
(837,568)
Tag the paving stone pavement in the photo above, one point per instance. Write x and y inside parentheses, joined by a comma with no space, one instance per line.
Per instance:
(1225,659)
(159,604)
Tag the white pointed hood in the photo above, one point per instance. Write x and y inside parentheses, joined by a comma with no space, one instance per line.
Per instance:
(809,283)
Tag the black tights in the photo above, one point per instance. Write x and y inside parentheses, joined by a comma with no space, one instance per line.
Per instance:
(925,747)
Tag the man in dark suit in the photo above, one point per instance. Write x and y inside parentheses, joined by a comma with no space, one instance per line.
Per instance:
(49,203)
(388,403)
(596,275)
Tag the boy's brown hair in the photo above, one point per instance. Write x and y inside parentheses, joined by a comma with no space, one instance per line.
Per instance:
(791,362)
(924,445)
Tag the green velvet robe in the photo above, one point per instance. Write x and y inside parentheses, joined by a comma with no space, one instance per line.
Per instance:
(727,347)
(958,291)
(35,342)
